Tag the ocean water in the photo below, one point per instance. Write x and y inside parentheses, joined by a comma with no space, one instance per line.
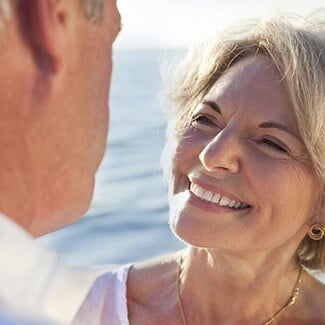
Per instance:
(128,218)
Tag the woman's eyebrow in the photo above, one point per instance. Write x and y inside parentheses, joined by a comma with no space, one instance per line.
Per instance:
(213,105)
(279,126)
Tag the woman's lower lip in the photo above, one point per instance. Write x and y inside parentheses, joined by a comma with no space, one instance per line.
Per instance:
(209,206)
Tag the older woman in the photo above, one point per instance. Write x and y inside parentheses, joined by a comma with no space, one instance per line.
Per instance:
(246,175)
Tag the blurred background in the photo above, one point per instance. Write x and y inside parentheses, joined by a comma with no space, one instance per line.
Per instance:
(128,219)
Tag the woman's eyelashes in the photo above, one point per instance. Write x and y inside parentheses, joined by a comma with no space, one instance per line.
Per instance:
(199,120)
(274,144)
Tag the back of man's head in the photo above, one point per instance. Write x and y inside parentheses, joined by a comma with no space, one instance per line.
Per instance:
(54,82)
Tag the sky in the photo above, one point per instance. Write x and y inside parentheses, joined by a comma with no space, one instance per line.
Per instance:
(178,23)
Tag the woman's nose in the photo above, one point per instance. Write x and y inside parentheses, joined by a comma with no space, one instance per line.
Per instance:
(221,153)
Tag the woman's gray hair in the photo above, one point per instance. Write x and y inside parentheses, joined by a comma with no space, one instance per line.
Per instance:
(297,48)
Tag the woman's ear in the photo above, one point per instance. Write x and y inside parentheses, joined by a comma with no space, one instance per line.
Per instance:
(47,31)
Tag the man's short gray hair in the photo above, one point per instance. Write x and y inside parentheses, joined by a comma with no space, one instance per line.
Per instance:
(92,8)
(5,11)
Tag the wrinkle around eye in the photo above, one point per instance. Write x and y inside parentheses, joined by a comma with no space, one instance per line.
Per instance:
(304,159)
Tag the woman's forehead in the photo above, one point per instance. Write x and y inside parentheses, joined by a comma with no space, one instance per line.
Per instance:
(255,85)
(256,72)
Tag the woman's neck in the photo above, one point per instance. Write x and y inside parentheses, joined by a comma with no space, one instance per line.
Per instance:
(234,289)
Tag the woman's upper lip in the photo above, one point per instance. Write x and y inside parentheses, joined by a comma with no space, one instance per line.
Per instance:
(215,189)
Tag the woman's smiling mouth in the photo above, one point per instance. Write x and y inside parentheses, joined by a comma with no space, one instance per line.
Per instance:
(216,198)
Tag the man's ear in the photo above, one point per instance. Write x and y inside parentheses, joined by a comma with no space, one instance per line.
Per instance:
(44,27)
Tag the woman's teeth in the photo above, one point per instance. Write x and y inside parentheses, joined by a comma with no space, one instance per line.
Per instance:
(216,198)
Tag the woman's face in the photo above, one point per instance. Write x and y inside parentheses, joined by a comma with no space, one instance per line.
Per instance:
(241,177)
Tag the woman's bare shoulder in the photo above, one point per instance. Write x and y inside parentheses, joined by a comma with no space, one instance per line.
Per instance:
(151,288)
(153,273)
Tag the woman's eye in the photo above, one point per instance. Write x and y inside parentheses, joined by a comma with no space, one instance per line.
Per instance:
(202,120)
(274,145)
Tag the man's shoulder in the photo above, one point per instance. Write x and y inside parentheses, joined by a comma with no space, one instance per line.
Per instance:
(15,318)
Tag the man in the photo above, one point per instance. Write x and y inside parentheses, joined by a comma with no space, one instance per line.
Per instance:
(54,82)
